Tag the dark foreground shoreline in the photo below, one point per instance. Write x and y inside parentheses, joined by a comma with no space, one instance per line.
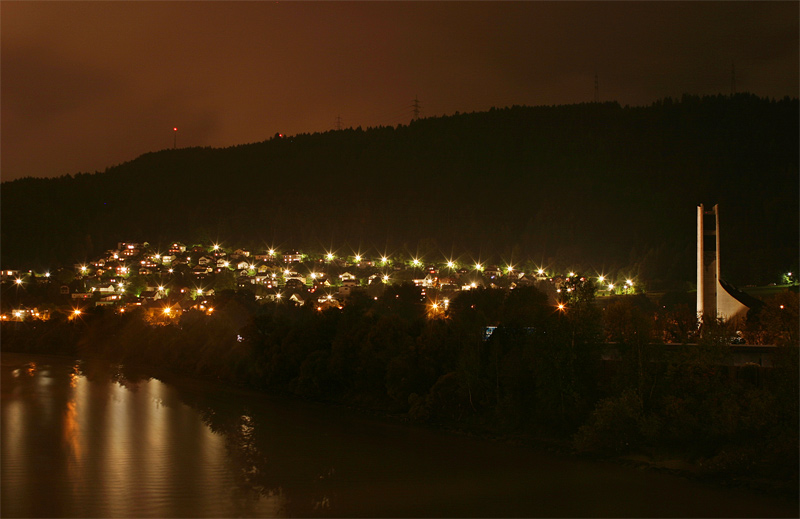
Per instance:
(656,462)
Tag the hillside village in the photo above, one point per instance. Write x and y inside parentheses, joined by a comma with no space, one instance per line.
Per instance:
(167,283)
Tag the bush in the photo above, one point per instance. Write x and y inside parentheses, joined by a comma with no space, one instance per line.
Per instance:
(614,427)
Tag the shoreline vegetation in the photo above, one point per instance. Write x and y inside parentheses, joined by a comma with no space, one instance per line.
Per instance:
(539,380)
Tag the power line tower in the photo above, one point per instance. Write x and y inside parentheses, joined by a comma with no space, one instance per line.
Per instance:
(416,107)
(596,89)
(338,122)
(733,80)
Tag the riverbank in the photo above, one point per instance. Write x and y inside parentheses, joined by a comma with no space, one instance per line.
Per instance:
(134,376)
(545,386)
(300,458)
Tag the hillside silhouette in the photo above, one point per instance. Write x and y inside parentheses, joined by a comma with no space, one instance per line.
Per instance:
(595,185)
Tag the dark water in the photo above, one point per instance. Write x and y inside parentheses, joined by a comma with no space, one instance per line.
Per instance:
(84,440)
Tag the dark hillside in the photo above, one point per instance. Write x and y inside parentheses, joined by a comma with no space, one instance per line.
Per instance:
(591,184)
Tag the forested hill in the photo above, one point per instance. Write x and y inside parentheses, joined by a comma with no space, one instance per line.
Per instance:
(591,185)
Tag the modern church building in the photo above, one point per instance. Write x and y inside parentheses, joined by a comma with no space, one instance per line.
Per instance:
(715,297)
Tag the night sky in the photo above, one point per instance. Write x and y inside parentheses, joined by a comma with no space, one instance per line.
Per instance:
(88,85)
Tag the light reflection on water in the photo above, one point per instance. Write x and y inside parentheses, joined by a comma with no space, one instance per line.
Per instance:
(94,440)
(105,446)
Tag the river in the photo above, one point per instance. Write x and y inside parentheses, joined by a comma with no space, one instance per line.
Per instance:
(93,440)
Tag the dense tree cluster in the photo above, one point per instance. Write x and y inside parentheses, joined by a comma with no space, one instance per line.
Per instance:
(506,362)
(592,186)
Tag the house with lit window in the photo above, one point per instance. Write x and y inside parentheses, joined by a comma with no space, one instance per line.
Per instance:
(201,271)
(10,274)
(106,288)
(177,248)
(292,256)
(129,250)
(151,294)
(349,286)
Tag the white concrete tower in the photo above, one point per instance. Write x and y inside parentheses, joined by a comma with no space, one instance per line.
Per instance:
(712,298)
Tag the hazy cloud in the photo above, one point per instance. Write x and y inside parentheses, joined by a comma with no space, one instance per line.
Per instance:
(97,83)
